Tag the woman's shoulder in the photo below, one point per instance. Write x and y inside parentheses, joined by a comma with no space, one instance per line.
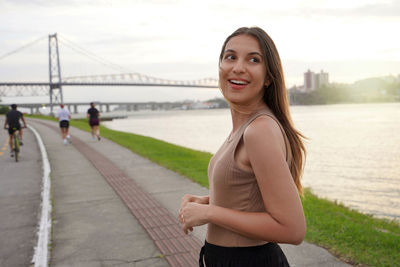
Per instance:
(263,124)
(264,128)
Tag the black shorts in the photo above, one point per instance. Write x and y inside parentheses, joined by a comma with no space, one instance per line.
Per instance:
(94,122)
(13,129)
(64,124)
(269,254)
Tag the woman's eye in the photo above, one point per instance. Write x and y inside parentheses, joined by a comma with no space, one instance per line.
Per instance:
(254,59)
(230,57)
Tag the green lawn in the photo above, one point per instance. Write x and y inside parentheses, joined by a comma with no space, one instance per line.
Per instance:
(354,237)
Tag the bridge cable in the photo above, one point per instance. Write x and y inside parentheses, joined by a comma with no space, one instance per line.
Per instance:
(21,48)
(91,55)
(79,49)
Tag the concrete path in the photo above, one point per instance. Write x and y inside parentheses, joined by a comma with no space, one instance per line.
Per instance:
(91,224)
(20,187)
(95,222)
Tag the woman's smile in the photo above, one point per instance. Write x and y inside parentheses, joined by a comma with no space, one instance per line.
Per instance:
(238,84)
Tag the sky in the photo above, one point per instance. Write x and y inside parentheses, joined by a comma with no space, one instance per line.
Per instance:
(181,39)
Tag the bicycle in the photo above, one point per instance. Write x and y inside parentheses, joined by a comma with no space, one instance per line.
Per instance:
(16,143)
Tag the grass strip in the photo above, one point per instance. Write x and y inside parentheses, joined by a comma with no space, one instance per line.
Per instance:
(352,236)
(188,162)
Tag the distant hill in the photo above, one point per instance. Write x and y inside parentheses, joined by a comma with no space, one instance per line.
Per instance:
(377,81)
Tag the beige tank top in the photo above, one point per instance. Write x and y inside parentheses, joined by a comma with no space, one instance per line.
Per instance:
(234,188)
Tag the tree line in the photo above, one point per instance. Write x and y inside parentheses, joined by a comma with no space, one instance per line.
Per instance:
(386,89)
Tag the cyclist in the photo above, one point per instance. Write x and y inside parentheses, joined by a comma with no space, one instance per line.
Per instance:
(12,121)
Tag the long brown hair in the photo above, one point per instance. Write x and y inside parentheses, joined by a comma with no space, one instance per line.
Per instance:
(275,97)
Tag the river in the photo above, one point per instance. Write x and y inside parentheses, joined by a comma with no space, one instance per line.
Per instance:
(353,150)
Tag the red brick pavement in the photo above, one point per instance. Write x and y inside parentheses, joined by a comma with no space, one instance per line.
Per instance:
(179,249)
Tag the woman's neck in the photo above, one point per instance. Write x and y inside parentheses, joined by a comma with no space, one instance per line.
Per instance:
(241,114)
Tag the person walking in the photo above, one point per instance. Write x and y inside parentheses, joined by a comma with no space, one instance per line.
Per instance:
(64,116)
(12,123)
(254,178)
(93,115)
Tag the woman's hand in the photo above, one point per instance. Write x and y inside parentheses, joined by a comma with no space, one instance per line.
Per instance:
(193,198)
(193,214)
(189,204)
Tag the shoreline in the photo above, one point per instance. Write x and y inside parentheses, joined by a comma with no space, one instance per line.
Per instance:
(341,159)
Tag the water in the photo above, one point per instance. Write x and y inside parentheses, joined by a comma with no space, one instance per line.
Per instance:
(353,150)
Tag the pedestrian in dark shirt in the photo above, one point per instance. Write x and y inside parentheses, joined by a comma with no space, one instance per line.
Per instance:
(93,114)
(12,124)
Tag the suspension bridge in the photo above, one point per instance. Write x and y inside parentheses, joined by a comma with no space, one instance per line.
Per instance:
(54,87)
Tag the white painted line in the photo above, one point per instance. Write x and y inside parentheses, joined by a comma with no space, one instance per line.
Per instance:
(41,255)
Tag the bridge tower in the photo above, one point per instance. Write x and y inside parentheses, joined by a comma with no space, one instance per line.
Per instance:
(56,95)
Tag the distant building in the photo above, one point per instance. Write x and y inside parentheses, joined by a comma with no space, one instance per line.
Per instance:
(323,78)
(314,81)
(308,80)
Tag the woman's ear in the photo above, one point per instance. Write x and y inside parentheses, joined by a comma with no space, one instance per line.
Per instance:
(267,83)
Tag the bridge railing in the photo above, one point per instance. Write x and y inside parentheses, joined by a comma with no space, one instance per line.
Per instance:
(139,79)
(124,79)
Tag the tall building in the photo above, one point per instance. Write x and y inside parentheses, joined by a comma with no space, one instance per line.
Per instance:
(313,81)
(308,77)
(323,78)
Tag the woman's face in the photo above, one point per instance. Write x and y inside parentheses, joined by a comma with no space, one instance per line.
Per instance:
(242,71)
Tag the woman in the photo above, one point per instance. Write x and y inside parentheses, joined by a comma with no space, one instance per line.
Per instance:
(255,176)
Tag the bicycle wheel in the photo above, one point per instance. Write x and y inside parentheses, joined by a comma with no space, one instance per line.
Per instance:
(16,147)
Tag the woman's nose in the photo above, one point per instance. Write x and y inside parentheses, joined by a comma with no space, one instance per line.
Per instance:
(238,67)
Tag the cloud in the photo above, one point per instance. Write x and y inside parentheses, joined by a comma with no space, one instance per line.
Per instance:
(41,3)
(182,38)
(382,10)
(46,3)
(91,3)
